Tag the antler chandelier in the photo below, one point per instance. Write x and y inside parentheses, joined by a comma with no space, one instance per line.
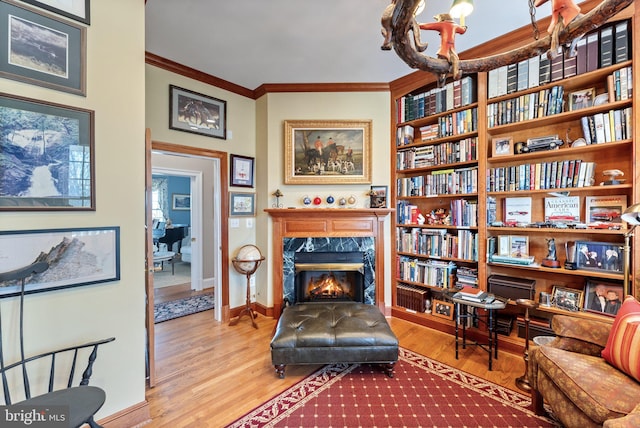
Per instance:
(399,18)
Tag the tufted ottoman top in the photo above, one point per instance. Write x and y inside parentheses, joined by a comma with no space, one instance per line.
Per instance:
(336,324)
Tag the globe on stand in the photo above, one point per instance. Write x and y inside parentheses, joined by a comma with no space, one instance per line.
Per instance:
(246,262)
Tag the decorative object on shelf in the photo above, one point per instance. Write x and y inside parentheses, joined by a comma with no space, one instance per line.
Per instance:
(570,251)
(443,309)
(331,200)
(342,201)
(67,175)
(317,200)
(278,194)
(502,146)
(246,262)
(545,299)
(599,256)
(551,260)
(197,113)
(327,151)
(542,143)
(601,99)
(562,34)
(604,297)
(378,197)
(42,50)
(352,200)
(613,175)
(581,99)
(523,381)
(242,171)
(306,200)
(97,249)
(630,216)
(242,204)
(569,299)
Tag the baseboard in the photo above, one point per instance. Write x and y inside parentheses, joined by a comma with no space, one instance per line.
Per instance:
(131,417)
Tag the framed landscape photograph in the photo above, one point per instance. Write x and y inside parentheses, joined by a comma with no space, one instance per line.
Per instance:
(327,151)
(242,171)
(75,257)
(42,50)
(581,99)
(77,10)
(197,113)
(502,146)
(603,297)
(242,204)
(181,202)
(599,256)
(52,166)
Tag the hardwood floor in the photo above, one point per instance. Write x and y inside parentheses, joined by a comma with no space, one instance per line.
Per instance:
(209,374)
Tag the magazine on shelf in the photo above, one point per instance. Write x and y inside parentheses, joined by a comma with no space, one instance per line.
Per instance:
(562,209)
(605,210)
(517,210)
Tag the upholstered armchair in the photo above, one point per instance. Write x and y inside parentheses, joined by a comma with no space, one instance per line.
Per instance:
(579,385)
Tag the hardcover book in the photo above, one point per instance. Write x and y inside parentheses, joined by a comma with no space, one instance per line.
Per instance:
(517,210)
(606,46)
(562,209)
(621,42)
(605,211)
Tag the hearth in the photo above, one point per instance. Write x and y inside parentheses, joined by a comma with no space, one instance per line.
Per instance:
(329,276)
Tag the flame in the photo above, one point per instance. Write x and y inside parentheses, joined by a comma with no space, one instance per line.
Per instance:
(326,286)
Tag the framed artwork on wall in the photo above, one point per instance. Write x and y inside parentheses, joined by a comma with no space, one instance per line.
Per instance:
(181,202)
(242,204)
(242,171)
(75,257)
(53,156)
(77,10)
(42,50)
(327,151)
(378,197)
(197,113)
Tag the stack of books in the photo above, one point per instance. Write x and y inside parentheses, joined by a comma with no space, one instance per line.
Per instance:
(472,294)
(523,260)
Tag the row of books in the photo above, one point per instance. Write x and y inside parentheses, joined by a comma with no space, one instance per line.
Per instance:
(464,212)
(614,125)
(600,48)
(452,95)
(545,102)
(541,175)
(438,154)
(620,84)
(460,122)
(435,273)
(412,297)
(438,243)
(466,277)
(443,182)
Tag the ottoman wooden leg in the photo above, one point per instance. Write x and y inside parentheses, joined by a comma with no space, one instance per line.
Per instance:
(388,369)
(280,370)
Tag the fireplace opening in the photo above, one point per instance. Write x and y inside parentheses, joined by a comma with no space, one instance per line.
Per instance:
(332,276)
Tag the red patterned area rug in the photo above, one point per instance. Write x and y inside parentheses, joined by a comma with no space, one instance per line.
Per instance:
(423,393)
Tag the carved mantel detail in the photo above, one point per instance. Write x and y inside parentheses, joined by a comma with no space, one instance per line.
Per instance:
(326,222)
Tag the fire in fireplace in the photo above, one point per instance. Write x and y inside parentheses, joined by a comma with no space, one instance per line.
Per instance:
(322,276)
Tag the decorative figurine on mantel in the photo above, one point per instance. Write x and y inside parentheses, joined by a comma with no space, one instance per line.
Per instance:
(551,260)
(278,194)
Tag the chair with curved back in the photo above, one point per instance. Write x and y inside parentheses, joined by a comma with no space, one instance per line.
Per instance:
(79,403)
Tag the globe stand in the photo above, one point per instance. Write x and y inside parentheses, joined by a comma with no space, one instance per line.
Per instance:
(239,266)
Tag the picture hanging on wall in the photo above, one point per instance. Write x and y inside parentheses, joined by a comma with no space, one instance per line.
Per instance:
(77,10)
(197,113)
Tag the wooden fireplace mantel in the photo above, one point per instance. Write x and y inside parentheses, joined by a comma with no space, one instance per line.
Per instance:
(326,222)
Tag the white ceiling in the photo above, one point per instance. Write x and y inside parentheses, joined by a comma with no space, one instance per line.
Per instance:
(252,42)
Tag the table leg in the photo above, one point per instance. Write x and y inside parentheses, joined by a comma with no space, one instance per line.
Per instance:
(457,318)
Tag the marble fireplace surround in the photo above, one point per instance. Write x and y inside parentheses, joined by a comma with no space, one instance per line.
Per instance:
(308,228)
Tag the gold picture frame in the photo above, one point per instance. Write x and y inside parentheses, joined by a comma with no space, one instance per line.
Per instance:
(327,151)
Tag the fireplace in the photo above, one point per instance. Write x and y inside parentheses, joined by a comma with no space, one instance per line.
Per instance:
(329,276)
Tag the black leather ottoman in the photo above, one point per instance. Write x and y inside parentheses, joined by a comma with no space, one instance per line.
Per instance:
(340,332)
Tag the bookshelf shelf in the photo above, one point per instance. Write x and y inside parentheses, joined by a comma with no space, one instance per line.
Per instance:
(618,152)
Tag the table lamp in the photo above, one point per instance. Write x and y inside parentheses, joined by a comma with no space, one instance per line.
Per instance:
(631,216)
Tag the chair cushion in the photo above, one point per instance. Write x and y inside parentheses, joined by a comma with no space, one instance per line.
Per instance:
(622,346)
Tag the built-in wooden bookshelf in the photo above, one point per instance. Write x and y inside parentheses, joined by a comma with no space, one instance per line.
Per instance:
(447,173)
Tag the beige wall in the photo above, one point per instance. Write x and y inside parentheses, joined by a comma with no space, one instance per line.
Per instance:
(273,110)
(115,91)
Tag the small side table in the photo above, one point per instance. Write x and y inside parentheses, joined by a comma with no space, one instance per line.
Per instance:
(164,256)
(462,314)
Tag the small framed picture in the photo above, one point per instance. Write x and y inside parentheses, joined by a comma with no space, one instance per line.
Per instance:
(518,246)
(581,99)
(443,309)
(567,298)
(378,197)
(603,297)
(599,256)
(502,146)
(242,204)
(197,113)
(242,171)
(181,202)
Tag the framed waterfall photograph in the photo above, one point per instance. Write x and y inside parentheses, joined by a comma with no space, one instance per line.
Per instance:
(51,162)
(327,151)
(72,257)
(41,49)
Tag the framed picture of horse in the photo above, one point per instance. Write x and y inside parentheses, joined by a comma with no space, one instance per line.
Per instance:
(327,151)
(197,113)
